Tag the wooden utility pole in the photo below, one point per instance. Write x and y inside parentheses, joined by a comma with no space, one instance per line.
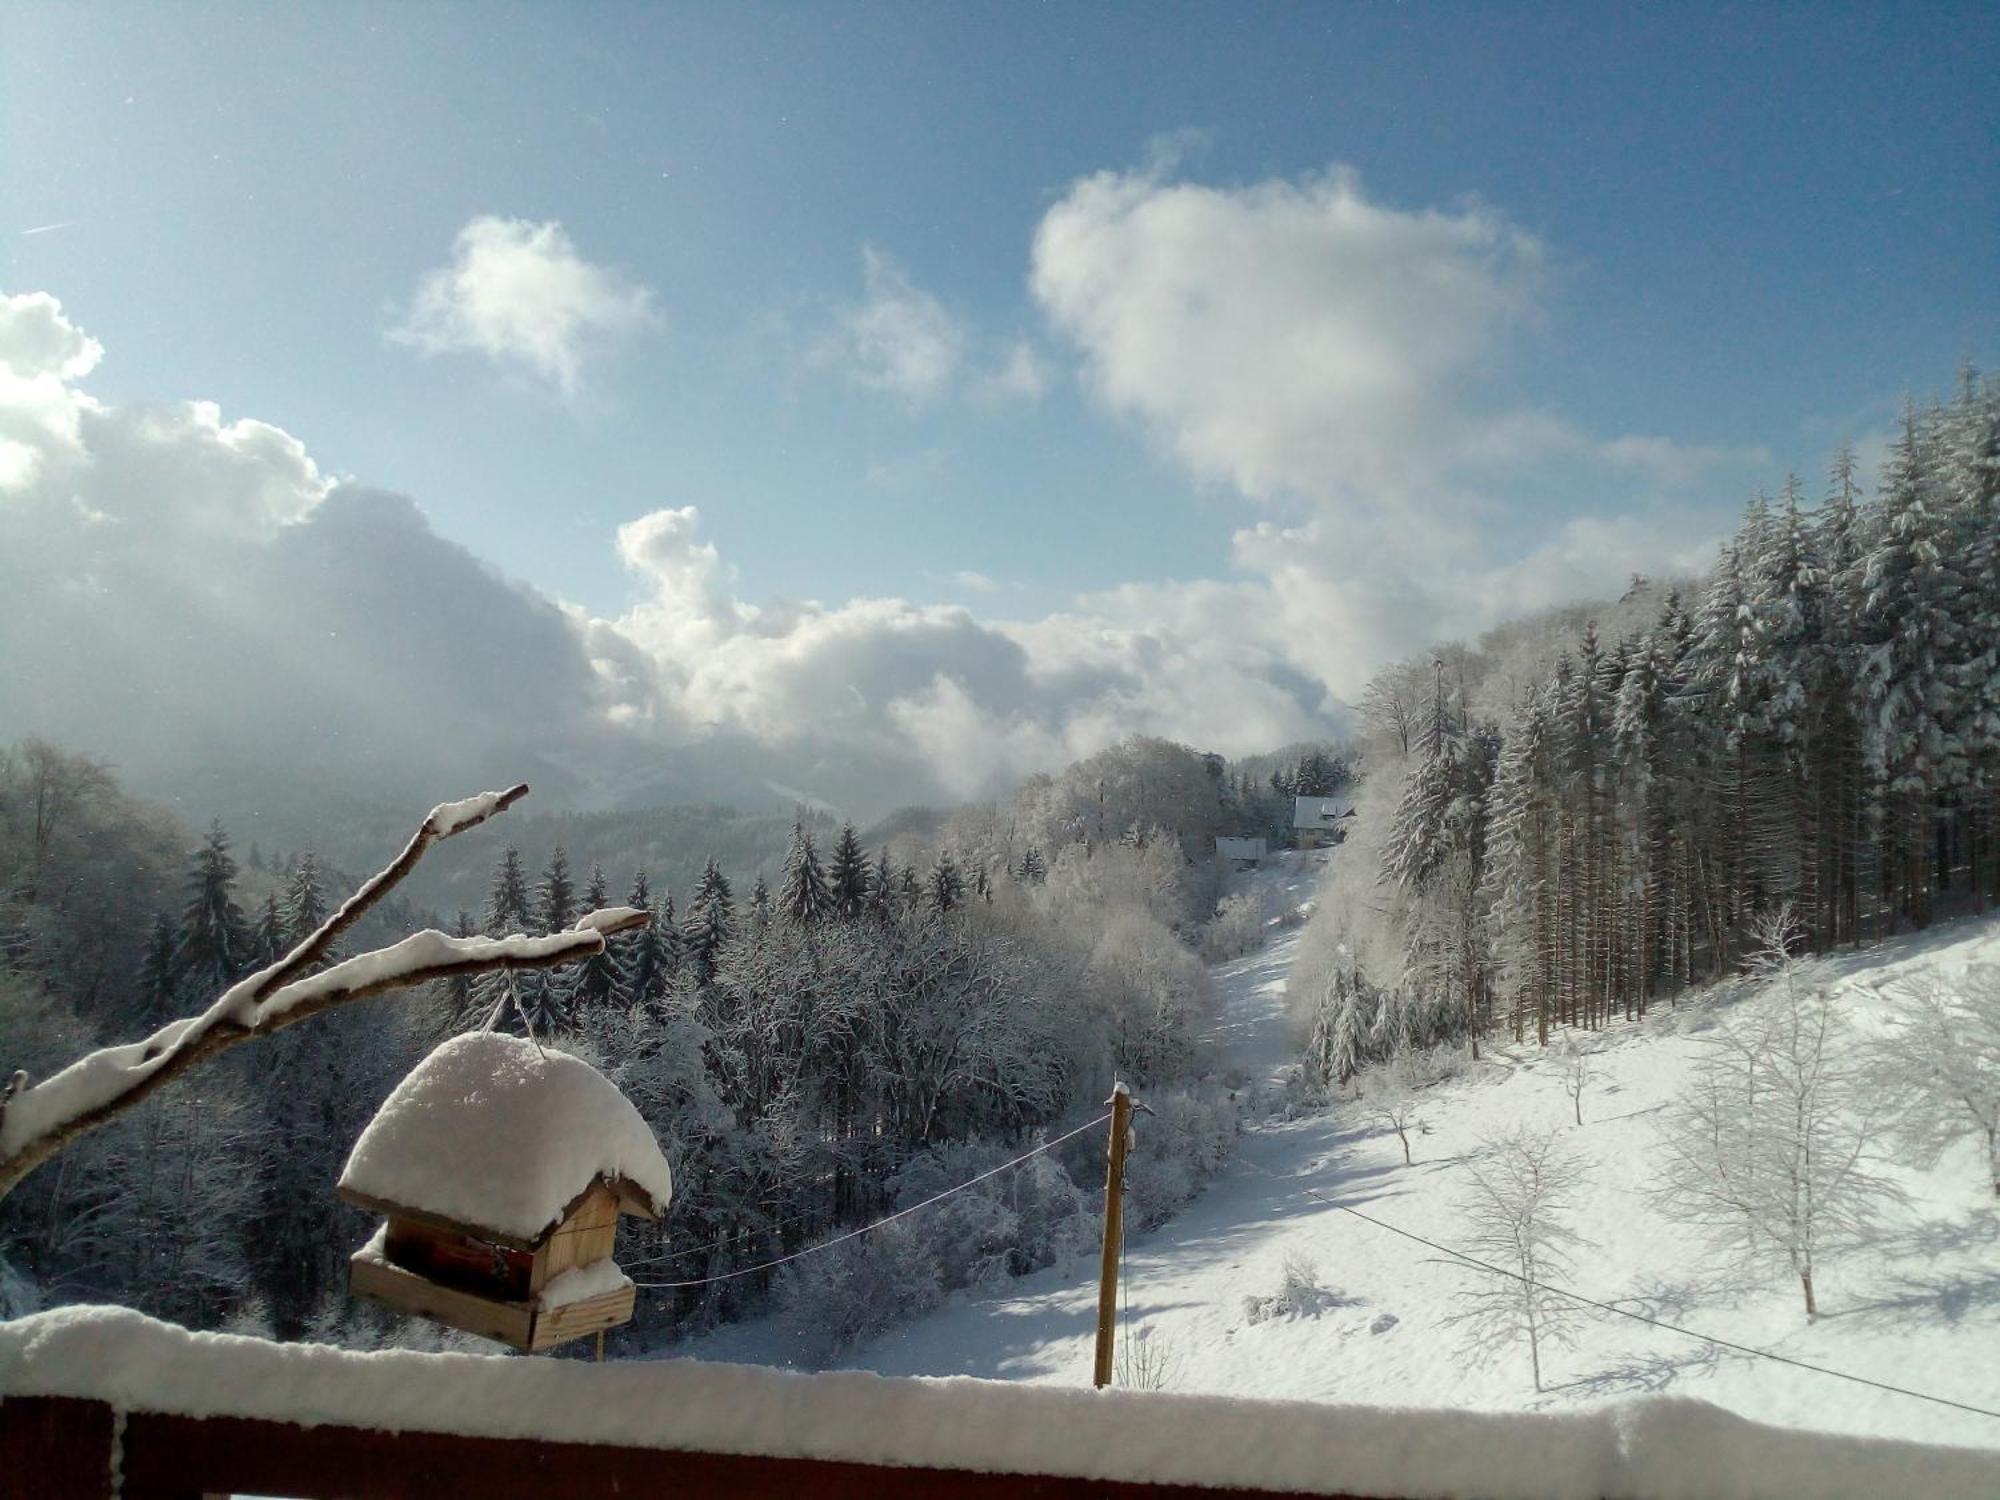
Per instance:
(1114,1228)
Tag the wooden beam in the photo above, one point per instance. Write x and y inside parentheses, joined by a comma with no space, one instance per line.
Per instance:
(167,1456)
(55,1448)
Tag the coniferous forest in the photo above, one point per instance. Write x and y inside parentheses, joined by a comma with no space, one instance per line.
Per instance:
(1592,810)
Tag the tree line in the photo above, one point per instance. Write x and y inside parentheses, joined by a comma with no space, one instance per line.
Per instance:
(1568,821)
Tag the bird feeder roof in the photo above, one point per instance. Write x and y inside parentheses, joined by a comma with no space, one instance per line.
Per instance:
(501,1137)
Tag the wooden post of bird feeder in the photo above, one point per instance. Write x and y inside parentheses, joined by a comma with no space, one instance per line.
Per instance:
(1114,1228)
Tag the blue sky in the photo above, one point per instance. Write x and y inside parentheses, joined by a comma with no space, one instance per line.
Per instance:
(1691,246)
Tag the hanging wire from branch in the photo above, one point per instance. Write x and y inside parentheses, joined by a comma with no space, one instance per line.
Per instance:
(855,1234)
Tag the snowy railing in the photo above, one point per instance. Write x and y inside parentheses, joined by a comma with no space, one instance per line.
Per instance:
(97,1401)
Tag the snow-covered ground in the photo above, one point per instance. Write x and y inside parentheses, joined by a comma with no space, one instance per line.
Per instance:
(1920,1307)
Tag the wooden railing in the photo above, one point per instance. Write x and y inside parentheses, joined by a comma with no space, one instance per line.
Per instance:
(65,1448)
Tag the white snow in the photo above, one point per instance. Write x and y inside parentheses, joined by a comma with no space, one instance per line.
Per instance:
(448,818)
(98,1077)
(1920,1307)
(610,918)
(583,1283)
(1647,1449)
(501,1133)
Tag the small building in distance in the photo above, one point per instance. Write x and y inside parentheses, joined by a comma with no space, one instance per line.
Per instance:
(1241,854)
(1319,822)
(500,1168)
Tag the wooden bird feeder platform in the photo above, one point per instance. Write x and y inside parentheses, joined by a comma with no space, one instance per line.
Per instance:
(547,1128)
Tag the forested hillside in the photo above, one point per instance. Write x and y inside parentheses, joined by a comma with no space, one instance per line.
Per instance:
(812,1048)
(1586,812)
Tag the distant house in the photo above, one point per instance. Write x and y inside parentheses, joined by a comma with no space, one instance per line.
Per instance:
(1241,854)
(1320,821)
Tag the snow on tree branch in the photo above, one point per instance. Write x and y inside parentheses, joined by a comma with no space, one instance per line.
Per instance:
(37,1122)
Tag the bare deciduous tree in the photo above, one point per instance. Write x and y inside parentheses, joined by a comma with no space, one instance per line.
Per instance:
(1516,1210)
(1770,1149)
(1944,1055)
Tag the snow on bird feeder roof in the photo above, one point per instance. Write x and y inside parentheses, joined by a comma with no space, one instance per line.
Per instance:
(500,1136)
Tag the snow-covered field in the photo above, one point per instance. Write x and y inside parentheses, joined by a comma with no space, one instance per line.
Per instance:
(1919,1307)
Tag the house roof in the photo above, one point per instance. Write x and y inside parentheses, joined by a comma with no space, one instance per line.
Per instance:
(1320,812)
(500,1136)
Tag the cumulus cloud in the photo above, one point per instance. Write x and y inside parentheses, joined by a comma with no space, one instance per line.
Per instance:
(518,293)
(898,338)
(1285,337)
(193,598)
(1316,350)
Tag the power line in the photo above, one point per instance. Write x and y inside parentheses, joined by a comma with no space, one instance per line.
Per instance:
(853,1234)
(1623,1312)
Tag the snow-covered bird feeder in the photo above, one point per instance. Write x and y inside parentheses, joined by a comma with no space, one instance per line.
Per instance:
(501,1167)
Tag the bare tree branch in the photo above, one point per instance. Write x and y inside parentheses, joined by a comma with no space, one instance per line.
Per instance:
(37,1122)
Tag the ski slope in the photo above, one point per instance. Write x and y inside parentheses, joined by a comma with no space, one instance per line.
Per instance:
(1920,1308)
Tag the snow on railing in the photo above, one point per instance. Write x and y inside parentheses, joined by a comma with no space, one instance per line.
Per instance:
(216,1412)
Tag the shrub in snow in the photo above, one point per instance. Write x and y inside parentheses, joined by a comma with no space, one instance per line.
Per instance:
(1147,1360)
(1299,1294)
(1011,1224)
(1770,1149)
(1190,1134)
(1236,928)
(1516,1211)
(855,1291)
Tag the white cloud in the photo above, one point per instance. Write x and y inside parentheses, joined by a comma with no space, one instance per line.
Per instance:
(1286,338)
(1021,375)
(898,338)
(978,582)
(518,293)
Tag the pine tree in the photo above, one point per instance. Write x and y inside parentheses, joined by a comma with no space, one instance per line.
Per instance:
(216,946)
(709,924)
(883,887)
(268,939)
(555,897)
(598,981)
(506,914)
(1034,870)
(848,879)
(1904,635)
(305,902)
(804,897)
(158,984)
(507,897)
(946,887)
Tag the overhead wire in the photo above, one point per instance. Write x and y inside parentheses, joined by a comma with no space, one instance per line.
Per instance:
(855,1234)
(1638,1317)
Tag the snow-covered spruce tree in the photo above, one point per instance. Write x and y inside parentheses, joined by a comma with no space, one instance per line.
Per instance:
(267,938)
(506,913)
(1943,1056)
(305,899)
(1521,874)
(158,998)
(215,946)
(1905,631)
(1771,1147)
(1516,1213)
(946,887)
(804,897)
(848,877)
(597,980)
(709,923)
